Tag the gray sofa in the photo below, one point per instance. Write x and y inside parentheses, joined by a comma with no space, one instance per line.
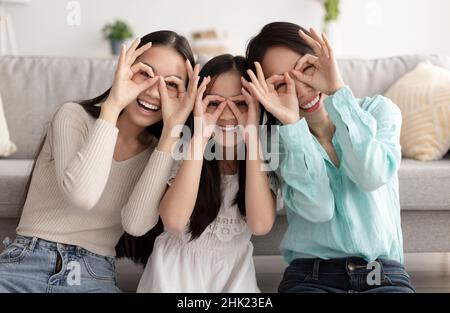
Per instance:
(33,87)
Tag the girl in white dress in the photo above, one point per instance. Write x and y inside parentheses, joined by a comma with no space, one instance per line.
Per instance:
(213,206)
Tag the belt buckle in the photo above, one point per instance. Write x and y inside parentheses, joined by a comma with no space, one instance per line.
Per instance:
(351,266)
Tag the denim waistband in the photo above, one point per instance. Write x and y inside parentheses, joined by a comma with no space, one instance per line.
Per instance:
(35,242)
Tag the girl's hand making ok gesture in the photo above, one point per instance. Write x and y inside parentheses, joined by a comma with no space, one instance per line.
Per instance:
(204,121)
(249,117)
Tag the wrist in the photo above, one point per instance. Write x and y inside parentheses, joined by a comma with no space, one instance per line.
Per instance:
(251,135)
(253,150)
(166,142)
(290,120)
(200,139)
(109,112)
(197,147)
(111,104)
(336,87)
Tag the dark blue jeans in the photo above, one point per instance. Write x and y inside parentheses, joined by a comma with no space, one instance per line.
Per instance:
(345,275)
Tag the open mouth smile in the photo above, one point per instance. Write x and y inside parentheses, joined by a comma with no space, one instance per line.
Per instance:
(227,128)
(147,107)
(311,105)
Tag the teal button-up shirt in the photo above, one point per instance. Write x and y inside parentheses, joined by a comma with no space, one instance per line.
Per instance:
(352,210)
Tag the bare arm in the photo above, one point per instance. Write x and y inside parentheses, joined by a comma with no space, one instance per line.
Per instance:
(178,203)
(260,201)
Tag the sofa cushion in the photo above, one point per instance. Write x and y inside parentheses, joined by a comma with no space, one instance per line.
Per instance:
(7,147)
(425,185)
(14,176)
(423,96)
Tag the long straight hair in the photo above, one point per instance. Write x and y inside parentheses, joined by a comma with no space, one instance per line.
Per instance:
(136,248)
(208,202)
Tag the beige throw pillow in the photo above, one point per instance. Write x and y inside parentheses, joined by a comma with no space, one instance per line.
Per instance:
(423,96)
(6,146)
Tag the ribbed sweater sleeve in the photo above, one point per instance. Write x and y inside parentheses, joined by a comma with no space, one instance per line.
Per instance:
(140,213)
(82,155)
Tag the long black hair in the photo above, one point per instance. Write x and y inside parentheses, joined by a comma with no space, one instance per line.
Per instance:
(274,34)
(208,202)
(139,248)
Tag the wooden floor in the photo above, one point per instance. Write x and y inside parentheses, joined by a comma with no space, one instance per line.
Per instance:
(430,272)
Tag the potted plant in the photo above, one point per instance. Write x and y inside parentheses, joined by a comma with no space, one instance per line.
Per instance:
(117,32)
(331,10)
(330,22)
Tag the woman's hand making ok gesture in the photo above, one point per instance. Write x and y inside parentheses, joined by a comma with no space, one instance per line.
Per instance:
(124,89)
(283,104)
(322,72)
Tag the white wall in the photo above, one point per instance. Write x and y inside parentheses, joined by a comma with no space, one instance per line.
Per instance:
(372,28)
(367,28)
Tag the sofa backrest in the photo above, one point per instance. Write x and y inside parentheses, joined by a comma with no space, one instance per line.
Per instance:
(33,87)
(370,77)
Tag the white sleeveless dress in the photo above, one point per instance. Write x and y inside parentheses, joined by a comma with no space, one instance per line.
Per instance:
(219,261)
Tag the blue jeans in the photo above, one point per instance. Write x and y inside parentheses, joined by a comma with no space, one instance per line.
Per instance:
(345,275)
(40,266)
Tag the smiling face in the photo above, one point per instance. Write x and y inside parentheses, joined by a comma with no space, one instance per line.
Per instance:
(279,60)
(228,86)
(165,62)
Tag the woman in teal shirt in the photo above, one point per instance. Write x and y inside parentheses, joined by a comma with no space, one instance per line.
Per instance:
(339,158)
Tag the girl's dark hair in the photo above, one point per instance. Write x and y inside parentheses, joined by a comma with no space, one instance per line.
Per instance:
(209,200)
(136,248)
(275,34)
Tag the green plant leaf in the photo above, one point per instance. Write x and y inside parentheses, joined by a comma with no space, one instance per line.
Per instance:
(119,30)
(332,10)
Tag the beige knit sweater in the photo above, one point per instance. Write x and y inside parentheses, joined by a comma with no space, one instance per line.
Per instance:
(79,195)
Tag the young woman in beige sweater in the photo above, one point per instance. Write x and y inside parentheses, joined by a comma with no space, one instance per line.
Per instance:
(102,169)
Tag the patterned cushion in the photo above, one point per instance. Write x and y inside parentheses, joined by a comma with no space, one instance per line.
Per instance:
(6,145)
(423,96)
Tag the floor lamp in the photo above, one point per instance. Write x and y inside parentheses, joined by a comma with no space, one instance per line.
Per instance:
(8,41)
